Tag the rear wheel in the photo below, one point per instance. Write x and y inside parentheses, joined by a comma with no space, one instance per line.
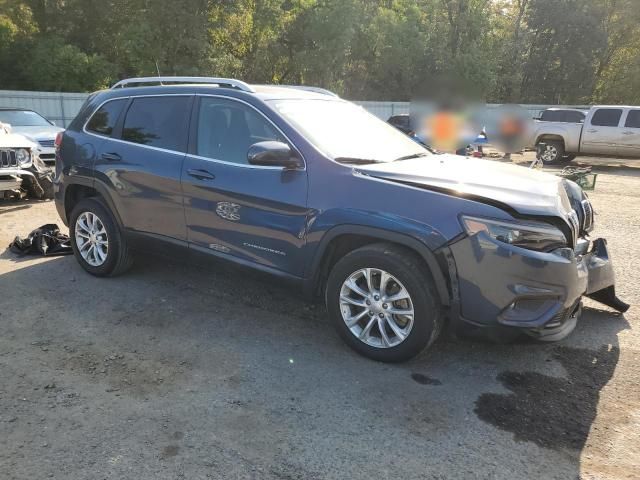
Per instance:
(383,303)
(97,242)
(550,152)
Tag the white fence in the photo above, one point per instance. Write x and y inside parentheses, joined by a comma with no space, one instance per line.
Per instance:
(61,108)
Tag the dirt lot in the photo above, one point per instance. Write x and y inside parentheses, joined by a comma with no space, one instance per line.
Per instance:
(172,371)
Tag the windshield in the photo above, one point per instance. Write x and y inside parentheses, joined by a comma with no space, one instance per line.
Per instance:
(23,118)
(346,132)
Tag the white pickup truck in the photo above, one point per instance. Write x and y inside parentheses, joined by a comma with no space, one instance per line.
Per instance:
(563,133)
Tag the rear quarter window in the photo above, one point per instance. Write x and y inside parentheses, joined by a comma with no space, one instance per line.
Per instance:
(606,117)
(104,119)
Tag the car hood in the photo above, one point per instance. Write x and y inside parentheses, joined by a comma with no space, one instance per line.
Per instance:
(13,140)
(38,133)
(527,191)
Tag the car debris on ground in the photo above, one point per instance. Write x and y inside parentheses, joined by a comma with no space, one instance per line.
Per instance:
(46,240)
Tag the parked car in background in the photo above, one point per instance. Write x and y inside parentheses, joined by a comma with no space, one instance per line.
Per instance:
(561,134)
(35,127)
(318,191)
(402,122)
(21,170)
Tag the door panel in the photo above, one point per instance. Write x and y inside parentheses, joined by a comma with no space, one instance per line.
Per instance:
(257,214)
(601,133)
(630,136)
(144,167)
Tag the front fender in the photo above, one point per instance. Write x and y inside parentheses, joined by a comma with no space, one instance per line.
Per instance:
(320,244)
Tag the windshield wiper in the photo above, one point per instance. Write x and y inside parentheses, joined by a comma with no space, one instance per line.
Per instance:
(413,155)
(355,160)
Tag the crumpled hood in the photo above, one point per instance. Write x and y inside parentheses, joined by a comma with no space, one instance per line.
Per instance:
(13,140)
(528,191)
(38,133)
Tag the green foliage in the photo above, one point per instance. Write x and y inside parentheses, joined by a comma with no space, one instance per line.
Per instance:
(538,51)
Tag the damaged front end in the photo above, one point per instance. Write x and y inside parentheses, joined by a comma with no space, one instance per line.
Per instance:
(535,287)
(22,172)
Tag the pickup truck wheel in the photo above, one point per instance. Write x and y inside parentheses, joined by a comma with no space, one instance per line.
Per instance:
(97,242)
(552,152)
(383,303)
(568,157)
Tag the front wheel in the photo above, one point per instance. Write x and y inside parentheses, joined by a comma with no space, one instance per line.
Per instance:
(97,242)
(383,303)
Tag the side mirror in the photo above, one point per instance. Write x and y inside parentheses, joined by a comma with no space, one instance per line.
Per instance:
(273,154)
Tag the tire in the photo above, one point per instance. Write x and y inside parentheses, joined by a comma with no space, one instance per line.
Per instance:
(405,269)
(552,152)
(569,157)
(117,258)
(46,183)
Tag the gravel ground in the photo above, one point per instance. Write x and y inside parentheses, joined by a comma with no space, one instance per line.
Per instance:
(173,371)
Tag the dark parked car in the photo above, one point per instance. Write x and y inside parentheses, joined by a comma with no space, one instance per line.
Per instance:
(402,122)
(316,190)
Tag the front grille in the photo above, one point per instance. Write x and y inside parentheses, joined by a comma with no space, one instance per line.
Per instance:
(587,221)
(8,159)
(574,222)
(47,143)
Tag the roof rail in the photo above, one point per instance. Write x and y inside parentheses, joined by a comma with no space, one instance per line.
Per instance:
(227,82)
(308,88)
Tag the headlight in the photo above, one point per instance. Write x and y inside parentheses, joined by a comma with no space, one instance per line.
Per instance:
(533,236)
(22,156)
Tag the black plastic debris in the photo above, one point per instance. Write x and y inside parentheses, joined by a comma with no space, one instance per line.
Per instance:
(46,240)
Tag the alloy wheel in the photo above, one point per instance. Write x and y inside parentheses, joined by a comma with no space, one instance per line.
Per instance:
(550,153)
(91,239)
(376,308)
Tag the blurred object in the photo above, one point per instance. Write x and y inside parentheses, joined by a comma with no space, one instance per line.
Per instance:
(581,175)
(508,127)
(448,128)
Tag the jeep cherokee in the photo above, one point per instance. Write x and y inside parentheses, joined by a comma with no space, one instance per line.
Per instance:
(302,184)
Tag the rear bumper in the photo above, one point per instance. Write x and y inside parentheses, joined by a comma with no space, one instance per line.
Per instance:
(500,285)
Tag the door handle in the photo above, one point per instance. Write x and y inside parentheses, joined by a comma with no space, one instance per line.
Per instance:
(111,157)
(200,174)
(592,130)
(628,133)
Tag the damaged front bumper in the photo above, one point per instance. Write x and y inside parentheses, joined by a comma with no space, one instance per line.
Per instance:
(500,285)
(11,178)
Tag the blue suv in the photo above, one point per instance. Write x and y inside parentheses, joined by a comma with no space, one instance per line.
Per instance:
(296,182)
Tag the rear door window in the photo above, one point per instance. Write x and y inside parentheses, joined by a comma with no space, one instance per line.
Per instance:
(552,116)
(160,122)
(574,117)
(606,117)
(633,119)
(105,118)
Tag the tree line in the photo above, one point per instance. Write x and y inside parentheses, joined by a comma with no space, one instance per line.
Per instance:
(522,51)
